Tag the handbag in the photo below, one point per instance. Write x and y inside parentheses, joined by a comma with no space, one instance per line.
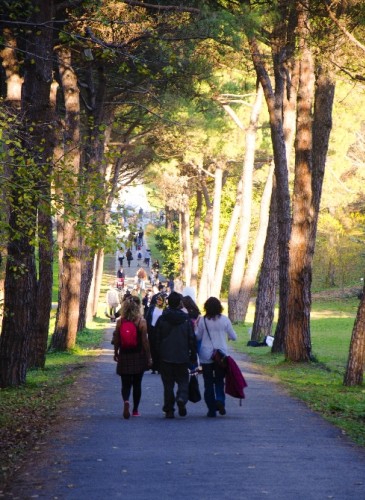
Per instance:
(194,391)
(218,356)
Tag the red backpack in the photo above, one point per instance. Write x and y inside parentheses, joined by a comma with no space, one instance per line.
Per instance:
(129,338)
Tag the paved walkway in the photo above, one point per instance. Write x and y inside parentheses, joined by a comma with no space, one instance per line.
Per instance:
(271,447)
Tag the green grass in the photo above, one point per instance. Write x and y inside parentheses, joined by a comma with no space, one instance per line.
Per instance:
(320,384)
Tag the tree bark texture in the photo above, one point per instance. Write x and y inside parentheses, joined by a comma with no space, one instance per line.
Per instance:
(298,341)
(203,285)
(274,102)
(87,269)
(214,235)
(356,360)
(64,336)
(269,277)
(20,298)
(196,240)
(255,259)
(186,243)
(227,243)
(240,256)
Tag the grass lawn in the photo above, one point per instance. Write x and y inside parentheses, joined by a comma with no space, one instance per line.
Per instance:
(319,383)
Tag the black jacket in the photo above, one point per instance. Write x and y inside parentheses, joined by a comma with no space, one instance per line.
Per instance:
(175,337)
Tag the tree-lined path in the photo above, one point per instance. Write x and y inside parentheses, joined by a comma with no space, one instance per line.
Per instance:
(271,447)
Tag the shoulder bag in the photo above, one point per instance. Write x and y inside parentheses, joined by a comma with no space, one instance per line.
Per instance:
(218,356)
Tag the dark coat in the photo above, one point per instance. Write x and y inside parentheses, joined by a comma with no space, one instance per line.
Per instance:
(175,337)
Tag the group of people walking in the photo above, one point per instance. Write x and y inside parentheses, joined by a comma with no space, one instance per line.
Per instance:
(172,339)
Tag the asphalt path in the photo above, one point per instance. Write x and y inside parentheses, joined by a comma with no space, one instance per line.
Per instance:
(271,447)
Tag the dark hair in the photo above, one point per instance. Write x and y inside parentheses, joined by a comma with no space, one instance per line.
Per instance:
(191,307)
(212,307)
(174,300)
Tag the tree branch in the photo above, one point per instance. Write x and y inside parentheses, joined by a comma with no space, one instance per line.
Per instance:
(176,8)
(344,30)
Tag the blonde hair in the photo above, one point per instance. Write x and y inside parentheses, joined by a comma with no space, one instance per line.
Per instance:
(131,308)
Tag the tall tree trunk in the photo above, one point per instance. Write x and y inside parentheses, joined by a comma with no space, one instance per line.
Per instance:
(99,266)
(64,336)
(227,243)
(186,243)
(196,240)
(214,235)
(87,269)
(355,364)
(269,277)
(20,279)
(203,285)
(255,259)
(37,355)
(274,102)
(240,255)
(298,341)
(263,317)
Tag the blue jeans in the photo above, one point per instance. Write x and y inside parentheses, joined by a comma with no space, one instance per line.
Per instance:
(213,386)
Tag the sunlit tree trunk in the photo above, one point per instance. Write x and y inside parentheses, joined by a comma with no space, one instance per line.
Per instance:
(64,336)
(297,340)
(98,274)
(214,235)
(239,262)
(196,240)
(186,243)
(203,284)
(255,259)
(227,243)
(298,346)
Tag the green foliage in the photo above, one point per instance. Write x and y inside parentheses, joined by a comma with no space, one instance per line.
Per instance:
(167,242)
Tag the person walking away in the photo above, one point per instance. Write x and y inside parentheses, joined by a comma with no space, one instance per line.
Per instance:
(213,330)
(147,257)
(142,278)
(129,256)
(155,310)
(120,255)
(112,301)
(132,358)
(177,348)
(146,302)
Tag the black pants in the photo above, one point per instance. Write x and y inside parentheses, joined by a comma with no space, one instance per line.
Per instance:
(172,373)
(135,381)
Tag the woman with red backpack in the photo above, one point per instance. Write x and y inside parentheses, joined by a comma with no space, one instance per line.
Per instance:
(131,352)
